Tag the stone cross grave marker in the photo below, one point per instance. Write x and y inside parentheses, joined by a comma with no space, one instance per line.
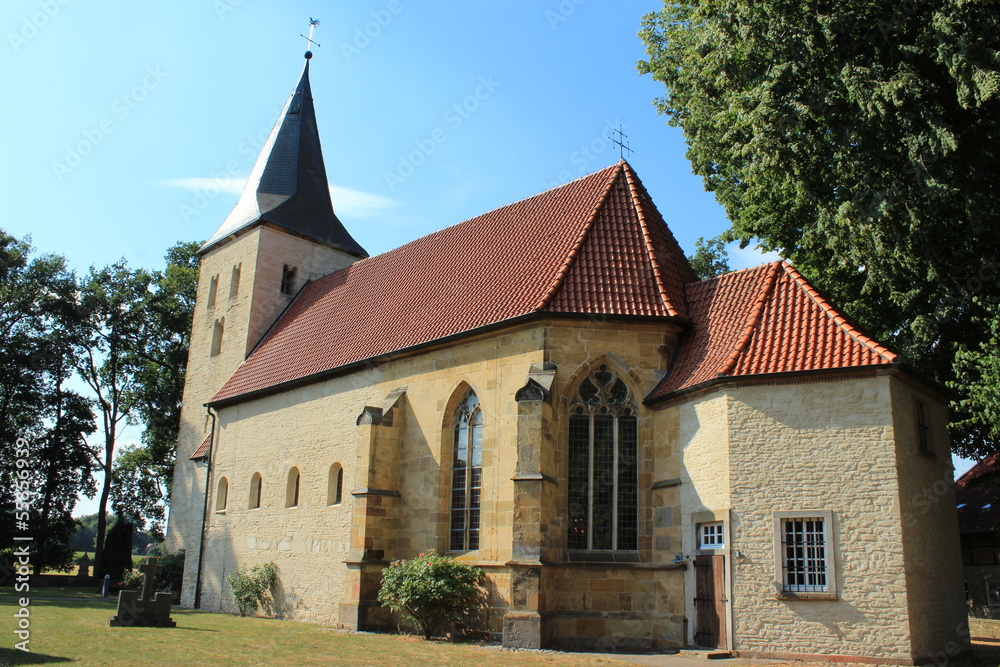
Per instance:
(147,611)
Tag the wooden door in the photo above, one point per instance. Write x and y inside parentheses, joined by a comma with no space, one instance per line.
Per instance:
(710,601)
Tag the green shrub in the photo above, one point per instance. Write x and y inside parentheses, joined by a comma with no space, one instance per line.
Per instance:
(172,573)
(252,586)
(430,589)
(132,580)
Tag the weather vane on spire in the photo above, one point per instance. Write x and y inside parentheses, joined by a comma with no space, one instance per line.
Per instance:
(309,40)
(620,139)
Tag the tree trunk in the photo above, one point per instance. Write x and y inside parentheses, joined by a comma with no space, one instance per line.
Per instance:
(102,510)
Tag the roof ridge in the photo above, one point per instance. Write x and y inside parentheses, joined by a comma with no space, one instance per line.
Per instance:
(753,321)
(727,274)
(630,178)
(838,318)
(574,251)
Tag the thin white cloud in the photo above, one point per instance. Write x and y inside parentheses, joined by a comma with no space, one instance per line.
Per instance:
(359,204)
(347,201)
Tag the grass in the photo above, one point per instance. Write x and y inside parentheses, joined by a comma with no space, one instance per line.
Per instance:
(71,625)
(76,630)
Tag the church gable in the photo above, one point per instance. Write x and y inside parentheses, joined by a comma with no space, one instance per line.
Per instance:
(626,262)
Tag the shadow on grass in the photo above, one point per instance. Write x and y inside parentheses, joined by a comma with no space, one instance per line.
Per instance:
(9,656)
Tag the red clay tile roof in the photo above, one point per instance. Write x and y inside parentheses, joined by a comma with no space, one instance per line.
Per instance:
(977,494)
(203,449)
(595,245)
(764,320)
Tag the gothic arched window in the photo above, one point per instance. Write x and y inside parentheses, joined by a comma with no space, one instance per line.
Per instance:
(603,465)
(466,474)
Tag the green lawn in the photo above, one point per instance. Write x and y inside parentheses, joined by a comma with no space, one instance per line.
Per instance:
(76,630)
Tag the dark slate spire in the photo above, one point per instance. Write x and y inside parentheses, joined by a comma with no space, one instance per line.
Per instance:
(288,185)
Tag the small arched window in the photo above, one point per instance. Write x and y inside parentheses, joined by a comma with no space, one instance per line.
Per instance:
(288,279)
(213,290)
(603,479)
(217,332)
(335,488)
(234,281)
(222,495)
(255,485)
(466,474)
(292,489)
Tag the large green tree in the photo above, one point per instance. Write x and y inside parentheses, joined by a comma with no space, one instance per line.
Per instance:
(41,478)
(111,302)
(142,474)
(859,139)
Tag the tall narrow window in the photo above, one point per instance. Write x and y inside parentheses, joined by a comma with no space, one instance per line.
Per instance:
(603,465)
(222,495)
(466,474)
(213,290)
(234,281)
(923,430)
(292,490)
(288,279)
(335,488)
(255,486)
(217,332)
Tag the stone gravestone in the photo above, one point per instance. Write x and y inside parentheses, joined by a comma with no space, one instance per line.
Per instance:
(145,610)
(84,563)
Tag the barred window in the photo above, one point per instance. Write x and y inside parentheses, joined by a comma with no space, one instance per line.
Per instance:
(467,474)
(805,552)
(603,465)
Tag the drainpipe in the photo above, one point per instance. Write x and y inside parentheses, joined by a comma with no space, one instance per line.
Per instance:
(204,513)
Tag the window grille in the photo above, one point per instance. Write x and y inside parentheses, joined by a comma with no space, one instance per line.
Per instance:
(803,544)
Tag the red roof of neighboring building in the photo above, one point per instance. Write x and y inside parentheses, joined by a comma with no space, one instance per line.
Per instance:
(764,320)
(977,494)
(595,245)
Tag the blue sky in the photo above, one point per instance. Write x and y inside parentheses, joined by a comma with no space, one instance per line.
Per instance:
(132,125)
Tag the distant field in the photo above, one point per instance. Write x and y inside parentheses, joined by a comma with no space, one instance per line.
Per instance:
(90,554)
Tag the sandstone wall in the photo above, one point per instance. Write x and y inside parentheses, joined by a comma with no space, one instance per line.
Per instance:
(818,446)
(932,551)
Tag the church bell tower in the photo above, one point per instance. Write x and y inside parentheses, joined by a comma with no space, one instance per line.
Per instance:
(282,233)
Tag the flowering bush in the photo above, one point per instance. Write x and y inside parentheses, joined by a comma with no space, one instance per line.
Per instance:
(252,586)
(431,589)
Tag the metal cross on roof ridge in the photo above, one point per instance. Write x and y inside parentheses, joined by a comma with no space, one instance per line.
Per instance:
(621,141)
(312,28)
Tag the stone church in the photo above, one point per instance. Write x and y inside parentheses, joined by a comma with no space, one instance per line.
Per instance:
(635,458)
